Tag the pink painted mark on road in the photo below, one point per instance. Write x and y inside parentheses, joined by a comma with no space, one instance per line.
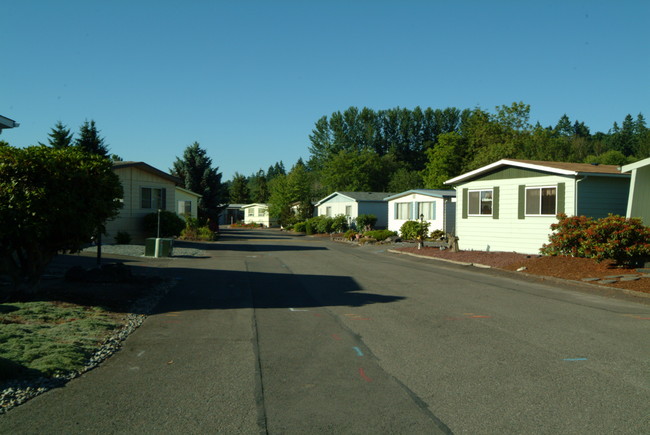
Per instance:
(363,375)
(318,315)
(480,317)
(336,337)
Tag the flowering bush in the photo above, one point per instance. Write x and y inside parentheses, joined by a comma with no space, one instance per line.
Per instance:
(626,241)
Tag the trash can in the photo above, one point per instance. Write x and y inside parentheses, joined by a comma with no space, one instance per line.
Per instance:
(155,247)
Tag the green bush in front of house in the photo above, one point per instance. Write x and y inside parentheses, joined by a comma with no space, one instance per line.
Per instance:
(379,235)
(339,223)
(171,224)
(411,230)
(366,222)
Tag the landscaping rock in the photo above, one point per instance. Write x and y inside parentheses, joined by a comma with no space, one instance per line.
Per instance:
(630,278)
(607,281)
(590,279)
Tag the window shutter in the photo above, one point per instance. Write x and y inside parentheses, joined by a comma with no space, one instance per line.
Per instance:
(395,206)
(561,188)
(433,211)
(145,195)
(521,209)
(411,213)
(465,196)
(495,202)
(163,195)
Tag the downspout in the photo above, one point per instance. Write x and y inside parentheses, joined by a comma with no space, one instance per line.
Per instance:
(575,195)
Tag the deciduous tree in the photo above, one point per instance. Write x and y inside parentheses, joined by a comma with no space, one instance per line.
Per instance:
(51,200)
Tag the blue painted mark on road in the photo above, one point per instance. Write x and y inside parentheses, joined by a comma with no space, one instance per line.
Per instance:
(358,351)
(574,359)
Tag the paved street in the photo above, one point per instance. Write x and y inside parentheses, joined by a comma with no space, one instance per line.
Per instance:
(274,333)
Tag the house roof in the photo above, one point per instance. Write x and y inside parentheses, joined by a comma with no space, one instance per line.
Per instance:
(636,165)
(428,192)
(7,123)
(358,196)
(189,192)
(148,168)
(561,168)
(255,204)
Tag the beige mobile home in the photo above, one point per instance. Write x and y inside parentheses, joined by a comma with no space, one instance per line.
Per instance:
(146,190)
(510,205)
(258,214)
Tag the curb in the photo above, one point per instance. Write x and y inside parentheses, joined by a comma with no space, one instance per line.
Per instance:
(528,275)
(462,263)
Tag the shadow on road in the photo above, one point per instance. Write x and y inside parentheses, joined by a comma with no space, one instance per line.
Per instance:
(222,290)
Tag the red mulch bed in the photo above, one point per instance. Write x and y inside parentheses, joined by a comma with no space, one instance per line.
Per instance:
(571,268)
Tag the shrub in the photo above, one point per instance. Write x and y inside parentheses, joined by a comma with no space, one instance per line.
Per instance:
(366,222)
(122,238)
(340,223)
(300,227)
(410,230)
(170,224)
(319,225)
(350,234)
(626,241)
(379,235)
(437,234)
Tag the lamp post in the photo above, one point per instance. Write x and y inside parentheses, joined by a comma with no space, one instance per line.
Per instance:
(420,232)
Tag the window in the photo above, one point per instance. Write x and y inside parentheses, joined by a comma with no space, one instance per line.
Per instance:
(479,202)
(261,211)
(403,210)
(185,208)
(328,211)
(427,210)
(541,201)
(153,198)
(251,211)
(348,210)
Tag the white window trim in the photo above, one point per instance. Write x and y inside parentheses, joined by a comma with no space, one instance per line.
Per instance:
(540,201)
(491,190)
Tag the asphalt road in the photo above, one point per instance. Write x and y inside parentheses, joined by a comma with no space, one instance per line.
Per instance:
(271,333)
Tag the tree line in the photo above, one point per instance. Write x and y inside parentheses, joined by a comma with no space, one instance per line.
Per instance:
(400,149)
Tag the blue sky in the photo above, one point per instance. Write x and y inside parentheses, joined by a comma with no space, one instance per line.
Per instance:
(248,79)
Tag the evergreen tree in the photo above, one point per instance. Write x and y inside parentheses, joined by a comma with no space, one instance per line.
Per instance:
(239,193)
(60,136)
(196,171)
(90,141)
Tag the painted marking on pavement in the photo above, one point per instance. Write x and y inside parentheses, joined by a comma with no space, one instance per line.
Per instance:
(358,351)
(363,375)
(636,316)
(295,310)
(140,353)
(574,359)
(357,317)
(336,337)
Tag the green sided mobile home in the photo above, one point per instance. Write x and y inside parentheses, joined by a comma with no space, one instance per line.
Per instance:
(510,205)
(638,204)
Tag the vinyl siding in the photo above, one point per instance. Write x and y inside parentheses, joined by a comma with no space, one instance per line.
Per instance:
(599,196)
(131,215)
(434,224)
(509,232)
(639,198)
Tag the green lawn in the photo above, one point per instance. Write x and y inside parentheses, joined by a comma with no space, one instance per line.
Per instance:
(43,338)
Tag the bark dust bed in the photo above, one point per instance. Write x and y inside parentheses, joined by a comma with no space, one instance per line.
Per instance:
(571,268)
